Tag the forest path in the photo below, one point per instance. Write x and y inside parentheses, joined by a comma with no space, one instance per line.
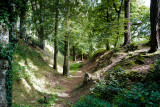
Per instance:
(69,89)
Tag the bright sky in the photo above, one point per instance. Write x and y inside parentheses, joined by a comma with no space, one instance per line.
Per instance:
(147,3)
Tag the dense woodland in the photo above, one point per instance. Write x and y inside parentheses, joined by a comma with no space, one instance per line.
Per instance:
(80,53)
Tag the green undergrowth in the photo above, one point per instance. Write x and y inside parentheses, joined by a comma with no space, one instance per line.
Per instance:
(74,67)
(31,67)
(97,53)
(126,89)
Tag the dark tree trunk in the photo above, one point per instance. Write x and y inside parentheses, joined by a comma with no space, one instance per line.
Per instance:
(107,44)
(66,54)
(23,20)
(41,32)
(127,34)
(42,38)
(55,39)
(74,53)
(155,24)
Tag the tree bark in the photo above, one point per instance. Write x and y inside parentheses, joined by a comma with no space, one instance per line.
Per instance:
(155,24)
(107,44)
(82,56)
(41,32)
(55,37)
(4,66)
(127,34)
(74,53)
(23,20)
(66,54)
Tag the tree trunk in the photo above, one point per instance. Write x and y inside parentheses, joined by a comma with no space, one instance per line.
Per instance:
(55,39)
(4,66)
(66,54)
(107,44)
(44,44)
(23,20)
(82,56)
(74,53)
(127,34)
(119,15)
(155,24)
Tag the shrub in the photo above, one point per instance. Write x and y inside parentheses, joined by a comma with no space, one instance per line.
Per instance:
(118,90)
(106,89)
(154,74)
(139,95)
(135,76)
(92,101)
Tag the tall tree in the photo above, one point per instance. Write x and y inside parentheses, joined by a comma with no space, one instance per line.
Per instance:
(66,54)
(55,37)
(155,25)
(23,19)
(118,11)
(8,16)
(4,65)
(127,34)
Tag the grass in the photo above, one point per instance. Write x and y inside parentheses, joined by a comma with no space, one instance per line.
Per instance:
(60,88)
(74,67)
(30,68)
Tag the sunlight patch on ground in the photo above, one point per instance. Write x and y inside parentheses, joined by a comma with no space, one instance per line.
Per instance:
(26,85)
(22,63)
(30,63)
(49,47)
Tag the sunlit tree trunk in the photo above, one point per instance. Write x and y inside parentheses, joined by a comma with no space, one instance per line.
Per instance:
(55,37)
(82,56)
(66,54)
(4,66)
(23,20)
(127,34)
(155,25)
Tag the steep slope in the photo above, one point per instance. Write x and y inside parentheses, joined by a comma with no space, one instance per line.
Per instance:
(34,79)
(31,70)
(105,61)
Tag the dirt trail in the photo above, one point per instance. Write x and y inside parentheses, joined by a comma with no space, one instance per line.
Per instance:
(72,85)
(69,87)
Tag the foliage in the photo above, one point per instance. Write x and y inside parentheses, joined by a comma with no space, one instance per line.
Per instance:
(129,88)
(7,53)
(97,53)
(18,72)
(115,50)
(50,102)
(139,94)
(75,67)
(92,101)
(154,74)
